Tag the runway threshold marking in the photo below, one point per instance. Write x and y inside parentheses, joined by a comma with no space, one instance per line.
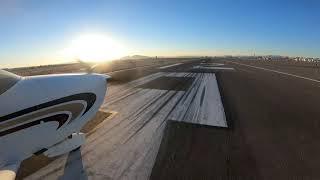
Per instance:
(127,145)
(201,103)
(172,65)
(279,72)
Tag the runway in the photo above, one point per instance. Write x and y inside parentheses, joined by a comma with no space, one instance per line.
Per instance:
(126,146)
(201,120)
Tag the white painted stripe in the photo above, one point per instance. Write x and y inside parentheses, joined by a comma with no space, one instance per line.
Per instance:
(213,68)
(219,68)
(127,145)
(212,64)
(202,103)
(176,74)
(164,67)
(279,72)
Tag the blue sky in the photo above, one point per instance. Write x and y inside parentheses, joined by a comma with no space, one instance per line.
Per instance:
(33,31)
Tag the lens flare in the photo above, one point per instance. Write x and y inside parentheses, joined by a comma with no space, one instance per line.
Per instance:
(94,47)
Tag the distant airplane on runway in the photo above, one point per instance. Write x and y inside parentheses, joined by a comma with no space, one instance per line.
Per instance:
(44,114)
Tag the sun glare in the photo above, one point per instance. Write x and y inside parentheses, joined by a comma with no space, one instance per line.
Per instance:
(94,47)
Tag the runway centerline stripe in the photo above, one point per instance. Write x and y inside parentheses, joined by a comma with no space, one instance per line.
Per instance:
(279,72)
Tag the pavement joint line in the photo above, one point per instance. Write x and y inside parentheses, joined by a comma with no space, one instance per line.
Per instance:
(279,72)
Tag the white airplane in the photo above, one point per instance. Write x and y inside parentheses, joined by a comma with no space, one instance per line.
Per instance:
(44,114)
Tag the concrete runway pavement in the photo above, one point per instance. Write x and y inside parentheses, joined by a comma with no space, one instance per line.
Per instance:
(178,123)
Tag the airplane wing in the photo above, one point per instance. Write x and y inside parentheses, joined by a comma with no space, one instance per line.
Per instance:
(9,172)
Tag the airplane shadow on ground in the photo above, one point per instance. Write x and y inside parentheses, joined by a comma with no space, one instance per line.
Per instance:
(74,167)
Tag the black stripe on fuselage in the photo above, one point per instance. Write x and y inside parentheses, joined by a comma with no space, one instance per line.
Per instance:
(90,98)
(60,118)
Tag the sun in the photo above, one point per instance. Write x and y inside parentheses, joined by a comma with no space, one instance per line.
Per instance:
(94,48)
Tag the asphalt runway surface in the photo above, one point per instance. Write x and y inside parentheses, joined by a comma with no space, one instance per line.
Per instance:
(203,120)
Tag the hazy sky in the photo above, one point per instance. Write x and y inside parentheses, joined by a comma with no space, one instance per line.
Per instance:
(35,31)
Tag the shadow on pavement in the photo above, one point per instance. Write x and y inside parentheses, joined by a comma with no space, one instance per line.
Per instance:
(74,167)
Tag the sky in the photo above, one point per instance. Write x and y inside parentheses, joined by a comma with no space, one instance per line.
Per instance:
(35,32)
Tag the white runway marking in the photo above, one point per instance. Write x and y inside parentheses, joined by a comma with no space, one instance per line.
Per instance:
(176,74)
(202,104)
(172,65)
(214,68)
(279,72)
(126,146)
(212,64)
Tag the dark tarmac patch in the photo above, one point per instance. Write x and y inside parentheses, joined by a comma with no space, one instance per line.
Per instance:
(277,115)
(192,151)
(169,83)
(34,163)
(202,70)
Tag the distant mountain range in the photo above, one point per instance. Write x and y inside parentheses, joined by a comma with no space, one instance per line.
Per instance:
(135,57)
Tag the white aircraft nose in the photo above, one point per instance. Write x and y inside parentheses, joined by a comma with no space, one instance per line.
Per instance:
(101,78)
(106,77)
(77,97)
(58,86)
